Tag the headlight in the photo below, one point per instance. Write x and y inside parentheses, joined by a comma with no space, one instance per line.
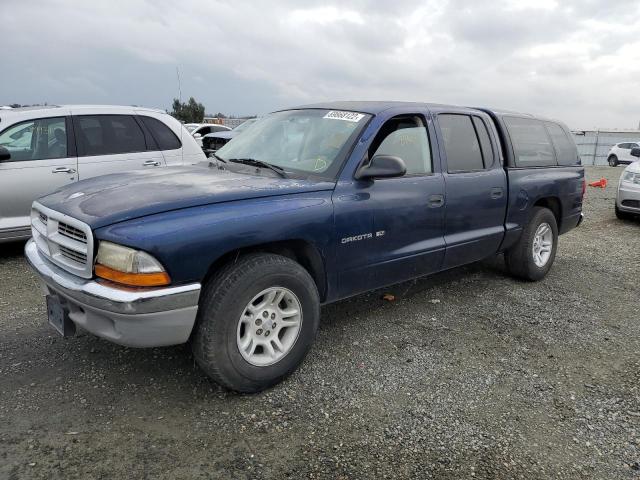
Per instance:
(631,177)
(129,267)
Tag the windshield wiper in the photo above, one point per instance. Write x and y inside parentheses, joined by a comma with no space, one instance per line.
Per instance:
(259,163)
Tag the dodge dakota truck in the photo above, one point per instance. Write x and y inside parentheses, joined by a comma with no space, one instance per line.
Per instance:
(308,206)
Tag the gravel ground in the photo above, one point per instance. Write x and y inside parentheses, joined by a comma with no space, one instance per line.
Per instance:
(466,374)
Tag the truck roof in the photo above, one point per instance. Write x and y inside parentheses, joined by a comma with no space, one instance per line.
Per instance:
(376,107)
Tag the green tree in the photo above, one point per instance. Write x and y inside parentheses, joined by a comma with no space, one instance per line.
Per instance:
(190,112)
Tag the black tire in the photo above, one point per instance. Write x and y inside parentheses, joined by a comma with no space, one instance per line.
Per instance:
(622,215)
(519,258)
(613,161)
(223,301)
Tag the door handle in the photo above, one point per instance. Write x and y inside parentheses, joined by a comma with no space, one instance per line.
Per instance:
(496,193)
(151,163)
(436,201)
(63,170)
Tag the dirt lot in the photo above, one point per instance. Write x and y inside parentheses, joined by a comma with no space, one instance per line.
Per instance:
(467,374)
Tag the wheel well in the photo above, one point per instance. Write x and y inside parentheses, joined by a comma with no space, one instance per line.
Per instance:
(299,250)
(553,204)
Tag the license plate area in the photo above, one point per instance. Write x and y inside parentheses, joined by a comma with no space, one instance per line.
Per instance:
(58,316)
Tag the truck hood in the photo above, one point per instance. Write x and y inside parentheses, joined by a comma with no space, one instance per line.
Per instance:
(115,198)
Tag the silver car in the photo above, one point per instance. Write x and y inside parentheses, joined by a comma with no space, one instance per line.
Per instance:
(628,197)
(45,148)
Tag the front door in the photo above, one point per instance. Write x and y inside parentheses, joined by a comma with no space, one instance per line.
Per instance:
(390,230)
(41,162)
(476,188)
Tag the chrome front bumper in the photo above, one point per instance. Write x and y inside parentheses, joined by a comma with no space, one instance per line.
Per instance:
(135,318)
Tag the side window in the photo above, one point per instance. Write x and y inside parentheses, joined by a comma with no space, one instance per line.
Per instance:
(162,134)
(485,141)
(461,143)
(531,144)
(566,151)
(41,139)
(405,137)
(108,135)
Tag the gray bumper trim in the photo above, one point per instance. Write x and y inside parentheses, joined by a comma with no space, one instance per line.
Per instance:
(96,295)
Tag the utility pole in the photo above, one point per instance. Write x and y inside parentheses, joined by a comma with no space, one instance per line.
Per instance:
(179,86)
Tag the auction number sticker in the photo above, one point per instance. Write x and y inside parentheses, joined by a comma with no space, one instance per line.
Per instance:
(346,116)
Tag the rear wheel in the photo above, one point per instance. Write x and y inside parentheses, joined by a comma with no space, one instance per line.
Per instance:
(256,322)
(532,257)
(613,161)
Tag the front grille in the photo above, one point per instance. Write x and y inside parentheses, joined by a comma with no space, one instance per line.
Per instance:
(631,203)
(72,232)
(63,240)
(77,257)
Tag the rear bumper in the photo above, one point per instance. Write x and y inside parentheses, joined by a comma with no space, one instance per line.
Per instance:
(137,318)
(570,222)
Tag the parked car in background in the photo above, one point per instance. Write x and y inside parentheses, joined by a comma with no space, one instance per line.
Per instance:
(199,130)
(620,154)
(306,207)
(628,197)
(215,141)
(45,148)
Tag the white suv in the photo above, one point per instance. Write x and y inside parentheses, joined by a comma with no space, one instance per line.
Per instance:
(45,148)
(620,153)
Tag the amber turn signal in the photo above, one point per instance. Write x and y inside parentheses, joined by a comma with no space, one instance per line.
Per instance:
(156,279)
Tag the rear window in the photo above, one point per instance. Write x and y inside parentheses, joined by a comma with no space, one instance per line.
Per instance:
(162,134)
(566,151)
(531,143)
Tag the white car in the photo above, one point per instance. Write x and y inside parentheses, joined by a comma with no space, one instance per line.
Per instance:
(45,148)
(620,153)
(199,130)
(628,197)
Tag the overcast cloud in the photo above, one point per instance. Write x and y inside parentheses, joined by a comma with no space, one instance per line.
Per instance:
(578,61)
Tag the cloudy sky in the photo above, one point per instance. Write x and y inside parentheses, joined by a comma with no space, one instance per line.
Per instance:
(578,61)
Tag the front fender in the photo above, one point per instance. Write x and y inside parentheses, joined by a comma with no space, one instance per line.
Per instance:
(188,241)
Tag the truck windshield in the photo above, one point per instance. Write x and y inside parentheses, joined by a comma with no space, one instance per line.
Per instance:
(307,142)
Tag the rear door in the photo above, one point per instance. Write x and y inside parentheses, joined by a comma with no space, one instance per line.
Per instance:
(476,187)
(109,143)
(43,159)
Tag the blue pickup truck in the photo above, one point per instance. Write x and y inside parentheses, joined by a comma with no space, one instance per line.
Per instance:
(310,205)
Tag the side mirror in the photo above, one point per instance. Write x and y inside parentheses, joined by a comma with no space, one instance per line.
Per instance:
(635,152)
(382,166)
(6,154)
(197,135)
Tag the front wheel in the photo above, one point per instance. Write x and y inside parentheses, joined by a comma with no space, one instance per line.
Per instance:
(622,215)
(613,161)
(531,258)
(256,322)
